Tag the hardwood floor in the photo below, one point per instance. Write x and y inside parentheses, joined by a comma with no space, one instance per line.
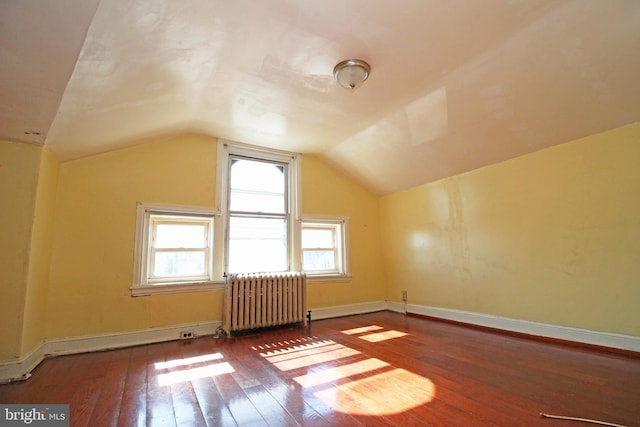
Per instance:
(376,369)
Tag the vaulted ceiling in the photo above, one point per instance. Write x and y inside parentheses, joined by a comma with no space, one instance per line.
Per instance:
(455,84)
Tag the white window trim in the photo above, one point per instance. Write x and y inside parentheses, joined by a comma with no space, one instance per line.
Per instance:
(229,148)
(345,275)
(140,287)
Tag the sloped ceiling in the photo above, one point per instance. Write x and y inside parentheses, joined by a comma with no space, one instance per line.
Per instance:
(455,85)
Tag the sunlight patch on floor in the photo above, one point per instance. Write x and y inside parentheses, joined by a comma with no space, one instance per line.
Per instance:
(376,336)
(382,336)
(185,375)
(362,330)
(300,351)
(188,361)
(305,356)
(386,393)
(339,372)
(348,380)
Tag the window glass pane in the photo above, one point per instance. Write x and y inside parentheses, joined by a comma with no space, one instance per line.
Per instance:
(180,236)
(318,260)
(317,238)
(257,244)
(257,202)
(257,186)
(179,264)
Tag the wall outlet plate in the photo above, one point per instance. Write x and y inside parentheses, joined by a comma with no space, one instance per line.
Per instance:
(187,335)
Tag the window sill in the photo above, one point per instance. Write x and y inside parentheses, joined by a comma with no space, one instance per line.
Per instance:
(324,278)
(171,288)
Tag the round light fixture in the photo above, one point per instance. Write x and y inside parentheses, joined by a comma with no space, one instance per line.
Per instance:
(351,73)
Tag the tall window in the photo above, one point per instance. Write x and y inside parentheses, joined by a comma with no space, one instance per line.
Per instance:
(258,216)
(258,199)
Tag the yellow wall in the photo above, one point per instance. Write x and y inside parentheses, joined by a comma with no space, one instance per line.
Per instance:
(92,263)
(19,164)
(40,254)
(325,191)
(550,237)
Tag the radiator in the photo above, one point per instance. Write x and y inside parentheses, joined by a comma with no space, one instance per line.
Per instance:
(262,300)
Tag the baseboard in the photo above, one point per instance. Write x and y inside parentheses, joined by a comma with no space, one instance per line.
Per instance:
(396,306)
(21,369)
(534,329)
(127,339)
(347,310)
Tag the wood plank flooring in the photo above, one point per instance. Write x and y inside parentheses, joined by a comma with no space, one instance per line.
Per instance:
(378,369)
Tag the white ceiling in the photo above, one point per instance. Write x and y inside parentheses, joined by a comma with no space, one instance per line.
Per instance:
(455,84)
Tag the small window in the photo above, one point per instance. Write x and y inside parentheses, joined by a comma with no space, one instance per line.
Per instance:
(324,247)
(174,249)
(179,248)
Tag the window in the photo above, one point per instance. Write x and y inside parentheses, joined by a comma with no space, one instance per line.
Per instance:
(258,199)
(179,248)
(258,216)
(174,249)
(324,247)
(255,228)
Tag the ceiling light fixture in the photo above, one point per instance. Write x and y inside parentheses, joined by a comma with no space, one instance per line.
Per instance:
(351,73)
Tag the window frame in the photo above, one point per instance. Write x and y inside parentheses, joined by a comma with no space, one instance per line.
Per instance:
(228,150)
(341,225)
(143,284)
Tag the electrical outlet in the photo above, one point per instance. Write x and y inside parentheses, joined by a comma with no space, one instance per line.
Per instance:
(186,335)
(404,296)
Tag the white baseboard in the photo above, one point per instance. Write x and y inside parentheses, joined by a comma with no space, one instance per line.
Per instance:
(396,306)
(347,310)
(21,369)
(127,339)
(585,336)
